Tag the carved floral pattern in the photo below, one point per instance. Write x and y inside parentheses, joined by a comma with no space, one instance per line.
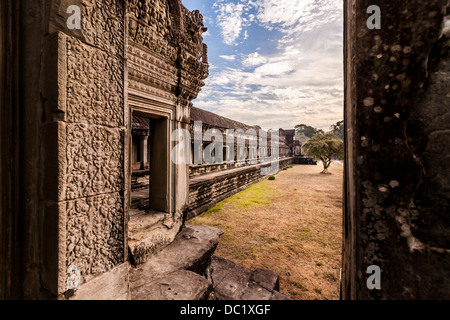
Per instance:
(95,233)
(94,86)
(94,158)
(103,24)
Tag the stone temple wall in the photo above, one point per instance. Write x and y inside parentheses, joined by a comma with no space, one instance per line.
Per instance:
(71,113)
(397,133)
(84,147)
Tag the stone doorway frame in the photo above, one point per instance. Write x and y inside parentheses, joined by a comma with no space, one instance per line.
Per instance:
(161,114)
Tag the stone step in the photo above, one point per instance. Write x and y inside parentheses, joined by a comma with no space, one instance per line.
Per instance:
(148,233)
(187,259)
(140,198)
(234,282)
(177,285)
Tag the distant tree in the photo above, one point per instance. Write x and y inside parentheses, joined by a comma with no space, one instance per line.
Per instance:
(338,129)
(257,127)
(324,147)
(306,130)
(301,137)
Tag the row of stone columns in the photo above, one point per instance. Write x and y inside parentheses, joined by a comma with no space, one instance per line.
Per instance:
(144,151)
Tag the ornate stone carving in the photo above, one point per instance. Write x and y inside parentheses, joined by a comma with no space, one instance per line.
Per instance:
(150,26)
(103,24)
(94,86)
(194,29)
(95,233)
(94,158)
(92,169)
(152,13)
(164,38)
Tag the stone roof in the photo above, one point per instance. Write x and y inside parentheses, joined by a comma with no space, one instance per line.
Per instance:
(220,122)
(215,120)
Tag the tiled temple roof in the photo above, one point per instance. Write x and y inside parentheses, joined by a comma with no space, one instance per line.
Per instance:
(215,120)
(220,122)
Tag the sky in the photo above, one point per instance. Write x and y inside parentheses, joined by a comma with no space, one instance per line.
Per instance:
(273,63)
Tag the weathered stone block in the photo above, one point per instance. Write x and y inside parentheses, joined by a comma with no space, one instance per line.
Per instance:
(268,279)
(180,266)
(149,233)
(254,291)
(178,285)
(229,279)
(86,235)
(234,282)
(190,249)
(102,23)
(54,77)
(396,92)
(112,285)
(95,233)
(53,227)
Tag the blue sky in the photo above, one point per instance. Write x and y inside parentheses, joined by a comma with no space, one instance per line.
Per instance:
(273,63)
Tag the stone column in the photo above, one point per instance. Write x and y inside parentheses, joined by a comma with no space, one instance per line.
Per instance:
(396,187)
(144,152)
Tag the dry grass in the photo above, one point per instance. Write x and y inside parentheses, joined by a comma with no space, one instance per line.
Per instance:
(292,225)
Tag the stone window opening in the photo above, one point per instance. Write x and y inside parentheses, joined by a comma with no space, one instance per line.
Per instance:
(226,152)
(149,172)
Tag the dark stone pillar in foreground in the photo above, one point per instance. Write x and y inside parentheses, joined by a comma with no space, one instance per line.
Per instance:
(397,133)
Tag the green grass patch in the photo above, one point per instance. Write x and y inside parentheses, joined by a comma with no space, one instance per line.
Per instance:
(271,177)
(257,194)
(214,209)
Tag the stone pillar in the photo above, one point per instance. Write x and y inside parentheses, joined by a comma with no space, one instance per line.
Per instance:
(144,152)
(84,155)
(397,145)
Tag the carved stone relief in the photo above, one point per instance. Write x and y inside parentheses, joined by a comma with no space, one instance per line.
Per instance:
(95,233)
(194,29)
(150,26)
(103,24)
(92,169)
(94,161)
(94,86)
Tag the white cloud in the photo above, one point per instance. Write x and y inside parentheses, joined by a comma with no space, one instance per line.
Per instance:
(228,58)
(230,20)
(254,59)
(284,12)
(301,83)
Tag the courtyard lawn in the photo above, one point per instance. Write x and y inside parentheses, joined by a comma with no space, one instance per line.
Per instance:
(292,225)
